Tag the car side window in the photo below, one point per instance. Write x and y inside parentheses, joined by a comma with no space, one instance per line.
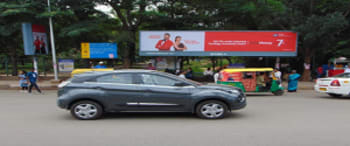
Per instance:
(116,78)
(149,79)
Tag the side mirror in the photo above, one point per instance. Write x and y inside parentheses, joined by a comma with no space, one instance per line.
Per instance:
(180,84)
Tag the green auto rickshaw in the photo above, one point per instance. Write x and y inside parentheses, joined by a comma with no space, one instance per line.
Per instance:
(251,80)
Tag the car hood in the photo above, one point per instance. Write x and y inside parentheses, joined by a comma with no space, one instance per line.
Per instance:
(219,87)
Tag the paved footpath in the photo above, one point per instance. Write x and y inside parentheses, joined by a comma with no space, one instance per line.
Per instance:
(48,85)
(296,119)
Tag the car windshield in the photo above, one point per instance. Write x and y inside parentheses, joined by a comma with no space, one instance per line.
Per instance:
(343,75)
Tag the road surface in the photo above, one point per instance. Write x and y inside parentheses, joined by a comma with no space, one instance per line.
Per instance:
(296,119)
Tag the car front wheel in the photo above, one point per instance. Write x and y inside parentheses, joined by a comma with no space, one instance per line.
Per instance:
(211,109)
(86,110)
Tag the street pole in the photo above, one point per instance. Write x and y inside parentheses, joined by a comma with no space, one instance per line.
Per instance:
(35,64)
(53,50)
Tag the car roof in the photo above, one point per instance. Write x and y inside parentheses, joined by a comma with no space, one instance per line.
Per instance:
(94,73)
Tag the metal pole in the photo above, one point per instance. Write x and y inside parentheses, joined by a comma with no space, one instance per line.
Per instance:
(53,50)
(35,64)
(7,66)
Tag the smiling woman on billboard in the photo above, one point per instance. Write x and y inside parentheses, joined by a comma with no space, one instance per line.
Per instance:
(178,46)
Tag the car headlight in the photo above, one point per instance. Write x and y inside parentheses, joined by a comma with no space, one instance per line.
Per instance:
(64,83)
(234,91)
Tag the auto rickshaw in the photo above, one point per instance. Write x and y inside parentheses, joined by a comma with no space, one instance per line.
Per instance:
(83,70)
(246,79)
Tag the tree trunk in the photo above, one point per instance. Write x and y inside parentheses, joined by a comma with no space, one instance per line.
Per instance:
(130,52)
(213,62)
(229,60)
(307,60)
(14,62)
(126,59)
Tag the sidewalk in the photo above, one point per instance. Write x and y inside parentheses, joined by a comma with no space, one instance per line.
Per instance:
(48,85)
(14,85)
(302,85)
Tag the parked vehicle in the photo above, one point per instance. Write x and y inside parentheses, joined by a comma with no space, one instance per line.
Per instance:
(335,86)
(247,80)
(89,95)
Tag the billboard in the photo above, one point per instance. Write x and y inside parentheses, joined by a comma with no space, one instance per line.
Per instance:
(65,65)
(218,43)
(34,39)
(99,50)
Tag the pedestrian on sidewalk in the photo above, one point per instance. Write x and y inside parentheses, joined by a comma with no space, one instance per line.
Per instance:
(23,81)
(101,65)
(293,81)
(33,77)
(347,68)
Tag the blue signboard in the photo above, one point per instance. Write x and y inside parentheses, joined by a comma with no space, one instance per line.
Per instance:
(99,50)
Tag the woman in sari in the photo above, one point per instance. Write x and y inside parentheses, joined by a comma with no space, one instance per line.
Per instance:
(293,81)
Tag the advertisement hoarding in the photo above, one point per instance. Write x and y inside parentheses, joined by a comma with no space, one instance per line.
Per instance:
(218,43)
(35,39)
(65,65)
(99,50)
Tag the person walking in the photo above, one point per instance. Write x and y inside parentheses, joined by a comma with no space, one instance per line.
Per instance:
(33,77)
(189,73)
(293,81)
(23,81)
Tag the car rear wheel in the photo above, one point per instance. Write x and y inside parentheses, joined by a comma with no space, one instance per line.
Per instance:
(334,95)
(86,110)
(211,109)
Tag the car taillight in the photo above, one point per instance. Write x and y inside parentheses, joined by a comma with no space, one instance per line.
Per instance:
(335,83)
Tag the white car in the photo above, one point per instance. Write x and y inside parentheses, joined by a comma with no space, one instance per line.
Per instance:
(335,86)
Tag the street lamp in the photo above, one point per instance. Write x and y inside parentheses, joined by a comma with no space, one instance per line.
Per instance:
(53,50)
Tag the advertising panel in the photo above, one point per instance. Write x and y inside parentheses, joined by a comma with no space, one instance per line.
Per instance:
(99,50)
(65,65)
(35,39)
(218,43)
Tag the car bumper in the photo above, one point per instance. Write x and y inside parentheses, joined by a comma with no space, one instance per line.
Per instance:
(62,104)
(330,90)
(239,104)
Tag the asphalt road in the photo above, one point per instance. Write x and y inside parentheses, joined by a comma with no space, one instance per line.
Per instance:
(296,119)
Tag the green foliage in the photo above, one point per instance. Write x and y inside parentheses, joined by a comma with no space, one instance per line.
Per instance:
(323,25)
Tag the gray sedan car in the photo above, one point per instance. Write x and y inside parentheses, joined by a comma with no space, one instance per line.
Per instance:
(89,95)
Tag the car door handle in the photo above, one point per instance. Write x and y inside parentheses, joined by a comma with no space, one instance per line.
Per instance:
(99,88)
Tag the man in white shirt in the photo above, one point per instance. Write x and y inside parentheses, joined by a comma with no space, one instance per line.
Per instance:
(208,72)
(277,74)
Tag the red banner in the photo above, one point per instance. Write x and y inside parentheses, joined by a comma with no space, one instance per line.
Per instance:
(257,41)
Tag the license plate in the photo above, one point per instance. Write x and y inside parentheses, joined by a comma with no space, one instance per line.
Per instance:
(323,89)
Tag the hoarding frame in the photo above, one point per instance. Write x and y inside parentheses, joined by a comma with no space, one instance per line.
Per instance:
(221,53)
